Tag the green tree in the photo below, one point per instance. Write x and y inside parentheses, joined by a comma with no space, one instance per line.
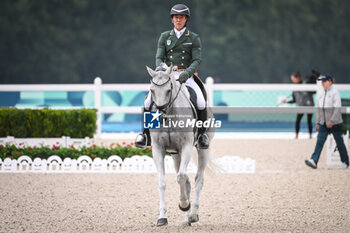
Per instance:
(243,41)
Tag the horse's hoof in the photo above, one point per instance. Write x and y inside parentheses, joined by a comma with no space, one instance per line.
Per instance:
(186,208)
(162,222)
(193,218)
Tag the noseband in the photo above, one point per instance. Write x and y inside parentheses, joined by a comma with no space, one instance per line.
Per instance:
(164,107)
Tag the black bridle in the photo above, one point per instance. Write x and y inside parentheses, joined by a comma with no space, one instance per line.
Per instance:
(164,107)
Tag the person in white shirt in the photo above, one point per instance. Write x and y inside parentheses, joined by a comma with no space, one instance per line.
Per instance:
(329,120)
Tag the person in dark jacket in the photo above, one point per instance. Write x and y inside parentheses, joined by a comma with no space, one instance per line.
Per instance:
(301,98)
(180,48)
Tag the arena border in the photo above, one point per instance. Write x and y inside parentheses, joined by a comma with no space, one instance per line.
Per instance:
(114,164)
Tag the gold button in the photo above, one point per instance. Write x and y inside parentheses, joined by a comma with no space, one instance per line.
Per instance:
(183,58)
(183,51)
(171,56)
(171,50)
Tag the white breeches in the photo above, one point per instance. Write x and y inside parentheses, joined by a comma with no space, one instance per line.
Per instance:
(200,105)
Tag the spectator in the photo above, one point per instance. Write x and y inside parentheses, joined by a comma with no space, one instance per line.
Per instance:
(301,98)
(329,120)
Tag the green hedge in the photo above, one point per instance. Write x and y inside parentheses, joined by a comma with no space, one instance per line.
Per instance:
(47,123)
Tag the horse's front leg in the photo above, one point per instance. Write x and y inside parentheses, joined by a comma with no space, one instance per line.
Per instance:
(158,158)
(183,180)
(199,181)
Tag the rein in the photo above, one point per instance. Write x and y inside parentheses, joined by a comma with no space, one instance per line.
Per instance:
(164,107)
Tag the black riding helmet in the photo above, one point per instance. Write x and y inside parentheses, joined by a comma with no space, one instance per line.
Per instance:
(180,9)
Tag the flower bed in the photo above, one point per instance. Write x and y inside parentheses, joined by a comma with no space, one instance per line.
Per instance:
(123,150)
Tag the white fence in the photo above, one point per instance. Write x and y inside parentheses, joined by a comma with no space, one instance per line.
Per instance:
(333,156)
(98,87)
(114,164)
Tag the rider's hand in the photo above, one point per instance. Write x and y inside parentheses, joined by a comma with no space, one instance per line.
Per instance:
(183,77)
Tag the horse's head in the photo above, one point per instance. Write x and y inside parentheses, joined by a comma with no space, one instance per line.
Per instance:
(162,85)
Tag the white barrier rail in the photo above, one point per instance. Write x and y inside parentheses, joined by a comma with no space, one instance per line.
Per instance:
(98,87)
(333,156)
(264,110)
(114,164)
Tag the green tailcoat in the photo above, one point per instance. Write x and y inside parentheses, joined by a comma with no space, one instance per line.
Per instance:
(185,52)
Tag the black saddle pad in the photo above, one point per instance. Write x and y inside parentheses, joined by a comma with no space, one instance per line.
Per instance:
(193,99)
(193,95)
(201,86)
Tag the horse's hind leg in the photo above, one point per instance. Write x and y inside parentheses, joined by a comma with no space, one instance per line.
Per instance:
(158,158)
(199,180)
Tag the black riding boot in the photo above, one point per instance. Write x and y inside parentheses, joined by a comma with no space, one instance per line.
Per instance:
(143,139)
(203,139)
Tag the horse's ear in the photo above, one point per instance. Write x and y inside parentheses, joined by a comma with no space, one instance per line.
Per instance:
(169,70)
(151,72)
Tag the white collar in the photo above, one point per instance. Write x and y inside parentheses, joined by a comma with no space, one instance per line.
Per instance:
(179,33)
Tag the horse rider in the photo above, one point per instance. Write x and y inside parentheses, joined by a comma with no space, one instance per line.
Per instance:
(182,49)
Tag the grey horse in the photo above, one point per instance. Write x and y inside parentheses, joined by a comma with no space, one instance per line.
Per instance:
(171,97)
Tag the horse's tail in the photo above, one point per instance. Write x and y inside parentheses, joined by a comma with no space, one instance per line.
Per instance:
(213,167)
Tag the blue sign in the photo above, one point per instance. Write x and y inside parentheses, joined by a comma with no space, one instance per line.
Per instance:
(151,120)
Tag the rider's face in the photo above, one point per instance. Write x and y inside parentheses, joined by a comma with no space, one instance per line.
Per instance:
(179,21)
